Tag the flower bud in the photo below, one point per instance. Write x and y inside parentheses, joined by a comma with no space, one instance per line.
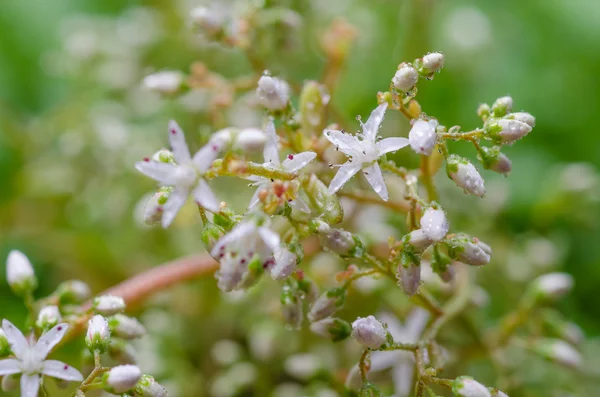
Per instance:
(369,332)
(273,93)
(48,317)
(557,351)
(165,82)
(507,131)
(107,305)
(339,241)
(523,117)
(285,263)
(502,106)
(126,327)
(405,78)
(434,224)
(250,140)
(98,334)
(332,327)
(483,111)
(469,250)
(433,62)
(209,19)
(465,386)
(291,307)
(211,233)
(410,277)
(73,292)
(493,159)
(313,107)
(19,273)
(149,387)
(121,378)
(10,383)
(465,175)
(164,156)
(327,304)
(5,349)
(327,204)
(418,240)
(423,137)
(121,351)
(496,393)
(551,286)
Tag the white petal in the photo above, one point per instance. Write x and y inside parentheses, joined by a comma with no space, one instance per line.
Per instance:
(60,370)
(269,237)
(49,340)
(163,173)
(345,142)
(255,197)
(395,327)
(18,343)
(178,144)
(205,157)
(296,161)
(346,171)
(204,195)
(9,366)
(174,203)
(30,385)
(371,127)
(415,323)
(402,376)
(391,145)
(271,151)
(300,205)
(381,360)
(375,178)
(236,234)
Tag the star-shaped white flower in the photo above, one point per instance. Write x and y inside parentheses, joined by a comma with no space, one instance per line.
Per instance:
(30,359)
(187,176)
(291,164)
(363,151)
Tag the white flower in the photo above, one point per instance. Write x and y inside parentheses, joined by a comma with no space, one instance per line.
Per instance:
(122,378)
(433,61)
(273,93)
(30,359)
(422,136)
(363,151)
(465,175)
(293,163)
(108,304)
(165,82)
(434,224)
(19,272)
(48,317)
(512,130)
(405,78)
(369,332)
(465,386)
(244,244)
(523,117)
(186,176)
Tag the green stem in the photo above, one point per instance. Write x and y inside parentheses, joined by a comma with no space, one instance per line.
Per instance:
(362,365)
(477,133)
(427,179)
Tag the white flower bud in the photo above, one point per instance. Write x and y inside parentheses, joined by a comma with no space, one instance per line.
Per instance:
(327,304)
(126,327)
(285,264)
(405,78)
(333,328)
(523,117)
(465,175)
(496,393)
(73,291)
(121,378)
(339,240)
(434,224)
(501,165)
(558,351)
(107,305)
(410,278)
(418,239)
(465,386)
(511,130)
(250,140)
(209,19)
(552,286)
(433,62)
(48,317)
(4,345)
(165,82)
(422,136)
(502,106)
(98,334)
(149,387)
(369,332)
(19,273)
(273,93)
(470,251)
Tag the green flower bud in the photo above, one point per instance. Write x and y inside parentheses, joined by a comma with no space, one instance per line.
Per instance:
(48,317)
(502,106)
(483,111)
(469,250)
(211,234)
(313,107)
(327,204)
(339,240)
(98,334)
(493,159)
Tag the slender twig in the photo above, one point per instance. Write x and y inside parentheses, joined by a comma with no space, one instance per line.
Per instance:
(369,199)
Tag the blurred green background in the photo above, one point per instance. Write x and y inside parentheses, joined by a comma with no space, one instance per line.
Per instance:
(73,120)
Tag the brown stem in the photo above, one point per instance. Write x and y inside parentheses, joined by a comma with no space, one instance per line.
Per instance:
(399,206)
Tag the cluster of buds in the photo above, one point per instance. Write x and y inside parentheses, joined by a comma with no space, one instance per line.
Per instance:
(408,74)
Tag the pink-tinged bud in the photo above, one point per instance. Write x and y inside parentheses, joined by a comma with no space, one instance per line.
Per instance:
(405,78)
(339,241)
(369,332)
(551,286)
(502,106)
(98,334)
(434,224)
(557,351)
(523,117)
(121,379)
(466,386)
(433,62)
(273,93)
(508,131)
(165,82)
(327,304)
(465,175)
(418,240)
(423,137)
(19,273)
(469,250)
(333,328)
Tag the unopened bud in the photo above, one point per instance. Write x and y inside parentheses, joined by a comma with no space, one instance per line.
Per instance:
(126,327)
(164,156)
(369,332)
(433,62)
(339,241)
(334,328)
(211,233)
(313,107)
(327,204)
(121,351)
(507,130)
(502,106)
(121,379)
(327,304)
(107,305)
(19,273)
(409,274)
(48,317)
(418,240)
(149,387)
(73,292)
(523,117)
(98,334)
(10,383)
(165,82)
(551,286)
(154,209)
(273,93)
(285,263)
(291,307)
(405,78)
(250,140)
(496,393)
(435,224)
(5,349)
(423,137)
(465,175)
(465,386)
(493,159)
(483,111)
(557,351)
(469,250)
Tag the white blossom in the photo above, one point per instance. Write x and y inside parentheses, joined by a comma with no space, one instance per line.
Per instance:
(405,78)
(122,378)
(48,317)
(30,359)
(433,61)
(19,272)
(465,386)
(363,151)
(434,224)
(563,353)
(465,175)
(186,177)
(422,136)
(164,82)
(273,93)
(108,305)
(369,332)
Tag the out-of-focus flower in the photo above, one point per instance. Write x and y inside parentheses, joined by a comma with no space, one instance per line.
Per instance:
(558,351)
(107,305)
(466,386)
(121,378)
(48,317)
(164,82)
(552,286)
(19,273)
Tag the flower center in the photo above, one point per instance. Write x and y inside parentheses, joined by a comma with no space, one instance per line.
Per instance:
(185,176)
(30,362)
